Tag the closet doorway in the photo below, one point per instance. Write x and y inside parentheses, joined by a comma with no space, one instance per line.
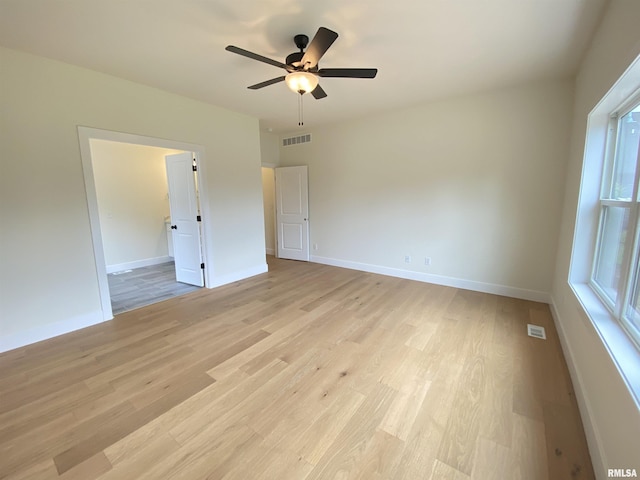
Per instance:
(128,195)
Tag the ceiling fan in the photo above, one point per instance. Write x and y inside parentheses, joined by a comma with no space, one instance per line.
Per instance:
(302,67)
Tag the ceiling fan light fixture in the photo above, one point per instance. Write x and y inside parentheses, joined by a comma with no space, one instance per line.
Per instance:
(301,82)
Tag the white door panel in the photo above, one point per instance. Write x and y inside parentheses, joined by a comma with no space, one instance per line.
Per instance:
(291,195)
(292,212)
(292,236)
(183,203)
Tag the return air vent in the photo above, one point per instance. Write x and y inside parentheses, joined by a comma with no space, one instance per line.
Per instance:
(536,331)
(287,142)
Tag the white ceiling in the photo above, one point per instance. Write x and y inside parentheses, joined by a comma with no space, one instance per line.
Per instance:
(424,50)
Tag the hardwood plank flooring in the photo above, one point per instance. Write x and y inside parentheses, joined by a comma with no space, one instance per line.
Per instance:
(305,372)
(131,289)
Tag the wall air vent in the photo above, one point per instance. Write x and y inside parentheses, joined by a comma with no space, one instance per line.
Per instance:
(536,331)
(287,142)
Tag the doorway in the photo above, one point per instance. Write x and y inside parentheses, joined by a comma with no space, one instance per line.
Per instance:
(147,255)
(269,203)
(286,211)
(292,212)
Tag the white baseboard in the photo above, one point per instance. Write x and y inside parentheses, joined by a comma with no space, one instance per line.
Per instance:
(271,251)
(220,280)
(146,262)
(44,332)
(597,452)
(503,290)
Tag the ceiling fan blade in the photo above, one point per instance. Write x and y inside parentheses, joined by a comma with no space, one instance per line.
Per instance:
(266,83)
(323,39)
(254,56)
(348,72)
(318,93)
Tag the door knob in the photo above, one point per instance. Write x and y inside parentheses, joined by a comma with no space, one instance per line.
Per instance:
(174,227)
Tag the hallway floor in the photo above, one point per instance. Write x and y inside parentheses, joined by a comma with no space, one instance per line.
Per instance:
(143,286)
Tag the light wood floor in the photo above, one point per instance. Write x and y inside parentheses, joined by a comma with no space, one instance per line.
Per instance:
(306,372)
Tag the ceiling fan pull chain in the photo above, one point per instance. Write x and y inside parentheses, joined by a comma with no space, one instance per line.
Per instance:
(300,112)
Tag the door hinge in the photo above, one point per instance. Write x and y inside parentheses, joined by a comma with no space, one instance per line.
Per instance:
(202,266)
(198,218)
(195,169)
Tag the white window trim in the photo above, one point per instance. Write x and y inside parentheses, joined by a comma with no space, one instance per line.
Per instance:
(615,339)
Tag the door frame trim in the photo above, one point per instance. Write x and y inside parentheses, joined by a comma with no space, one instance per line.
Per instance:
(85,135)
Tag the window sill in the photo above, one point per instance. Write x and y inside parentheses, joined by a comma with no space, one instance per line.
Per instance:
(621,348)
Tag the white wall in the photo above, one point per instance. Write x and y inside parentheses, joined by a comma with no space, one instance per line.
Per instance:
(269,202)
(610,416)
(48,279)
(132,193)
(472,182)
(269,148)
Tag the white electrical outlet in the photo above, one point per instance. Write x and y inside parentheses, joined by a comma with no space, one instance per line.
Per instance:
(407,259)
(427,261)
(315,246)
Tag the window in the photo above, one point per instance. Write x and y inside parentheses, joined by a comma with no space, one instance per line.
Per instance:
(616,265)
(604,270)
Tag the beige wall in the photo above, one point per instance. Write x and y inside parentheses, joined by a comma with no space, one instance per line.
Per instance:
(48,279)
(474,183)
(269,148)
(269,202)
(132,193)
(610,416)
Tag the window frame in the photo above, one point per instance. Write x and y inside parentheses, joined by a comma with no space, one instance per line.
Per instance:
(631,252)
(612,335)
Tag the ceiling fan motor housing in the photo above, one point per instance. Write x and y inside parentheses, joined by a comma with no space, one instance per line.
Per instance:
(294,59)
(301,41)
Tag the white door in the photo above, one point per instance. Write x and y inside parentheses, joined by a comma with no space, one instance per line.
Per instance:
(185,227)
(292,212)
